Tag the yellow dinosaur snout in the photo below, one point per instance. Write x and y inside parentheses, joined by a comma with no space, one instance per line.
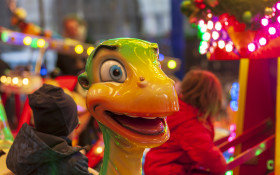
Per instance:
(141,98)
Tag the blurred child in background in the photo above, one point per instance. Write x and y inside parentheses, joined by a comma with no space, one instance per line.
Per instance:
(190,147)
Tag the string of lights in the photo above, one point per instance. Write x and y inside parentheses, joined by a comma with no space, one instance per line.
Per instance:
(67,46)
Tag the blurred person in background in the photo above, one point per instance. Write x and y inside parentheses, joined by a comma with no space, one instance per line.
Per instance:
(75,29)
(190,149)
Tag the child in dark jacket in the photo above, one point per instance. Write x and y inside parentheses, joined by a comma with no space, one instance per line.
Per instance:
(46,149)
(191,146)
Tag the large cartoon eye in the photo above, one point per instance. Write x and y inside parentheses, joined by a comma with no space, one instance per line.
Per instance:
(112,70)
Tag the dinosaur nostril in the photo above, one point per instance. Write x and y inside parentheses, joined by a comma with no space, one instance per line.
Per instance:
(142,83)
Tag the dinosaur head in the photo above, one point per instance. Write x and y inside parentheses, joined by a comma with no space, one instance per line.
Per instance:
(128,93)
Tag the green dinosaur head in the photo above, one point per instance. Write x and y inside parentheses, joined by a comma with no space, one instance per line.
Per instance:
(128,92)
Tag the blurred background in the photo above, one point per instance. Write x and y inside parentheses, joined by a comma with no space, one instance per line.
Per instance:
(157,21)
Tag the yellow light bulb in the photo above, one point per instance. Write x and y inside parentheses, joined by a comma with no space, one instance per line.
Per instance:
(27,40)
(19,82)
(8,80)
(41,43)
(15,80)
(25,81)
(3,79)
(79,49)
(89,50)
(171,64)
(99,150)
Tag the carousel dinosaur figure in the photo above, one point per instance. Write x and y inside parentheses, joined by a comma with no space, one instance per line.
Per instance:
(130,97)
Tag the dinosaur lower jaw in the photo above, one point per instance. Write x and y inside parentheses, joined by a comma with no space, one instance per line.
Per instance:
(140,125)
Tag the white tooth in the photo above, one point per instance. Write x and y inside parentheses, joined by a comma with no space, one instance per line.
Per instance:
(149,117)
(163,117)
(132,116)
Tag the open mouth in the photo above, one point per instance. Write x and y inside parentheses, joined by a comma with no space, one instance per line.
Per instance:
(141,125)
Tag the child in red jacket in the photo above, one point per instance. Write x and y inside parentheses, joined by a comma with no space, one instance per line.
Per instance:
(190,147)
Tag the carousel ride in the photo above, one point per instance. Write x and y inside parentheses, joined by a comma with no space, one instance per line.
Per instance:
(247,31)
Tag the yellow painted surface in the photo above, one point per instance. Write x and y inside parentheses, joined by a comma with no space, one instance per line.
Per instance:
(243,78)
(277,132)
(3,167)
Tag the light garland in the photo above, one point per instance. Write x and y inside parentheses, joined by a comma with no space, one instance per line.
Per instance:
(20,84)
(211,31)
(214,31)
(67,46)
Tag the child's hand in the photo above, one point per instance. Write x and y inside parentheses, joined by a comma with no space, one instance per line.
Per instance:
(92,171)
(83,151)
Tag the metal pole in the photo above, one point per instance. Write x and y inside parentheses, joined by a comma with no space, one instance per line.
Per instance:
(177,35)
(41,14)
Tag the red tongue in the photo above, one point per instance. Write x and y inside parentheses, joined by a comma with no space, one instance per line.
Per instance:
(141,125)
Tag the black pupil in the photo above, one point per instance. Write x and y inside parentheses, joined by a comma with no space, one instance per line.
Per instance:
(116,72)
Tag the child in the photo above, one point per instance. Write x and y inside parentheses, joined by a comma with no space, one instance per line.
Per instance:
(191,146)
(46,149)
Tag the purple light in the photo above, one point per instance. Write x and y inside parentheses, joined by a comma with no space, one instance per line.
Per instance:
(231,150)
(233,134)
(271,30)
(264,22)
(262,41)
(278,19)
(160,57)
(278,5)
(230,138)
(232,127)
(251,47)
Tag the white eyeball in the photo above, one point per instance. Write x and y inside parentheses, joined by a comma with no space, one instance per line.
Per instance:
(112,70)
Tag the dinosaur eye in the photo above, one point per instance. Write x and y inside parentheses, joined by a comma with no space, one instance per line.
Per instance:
(112,70)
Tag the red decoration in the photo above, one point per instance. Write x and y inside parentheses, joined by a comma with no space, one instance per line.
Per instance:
(222,54)
(200,5)
(68,81)
(239,27)
(258,38)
